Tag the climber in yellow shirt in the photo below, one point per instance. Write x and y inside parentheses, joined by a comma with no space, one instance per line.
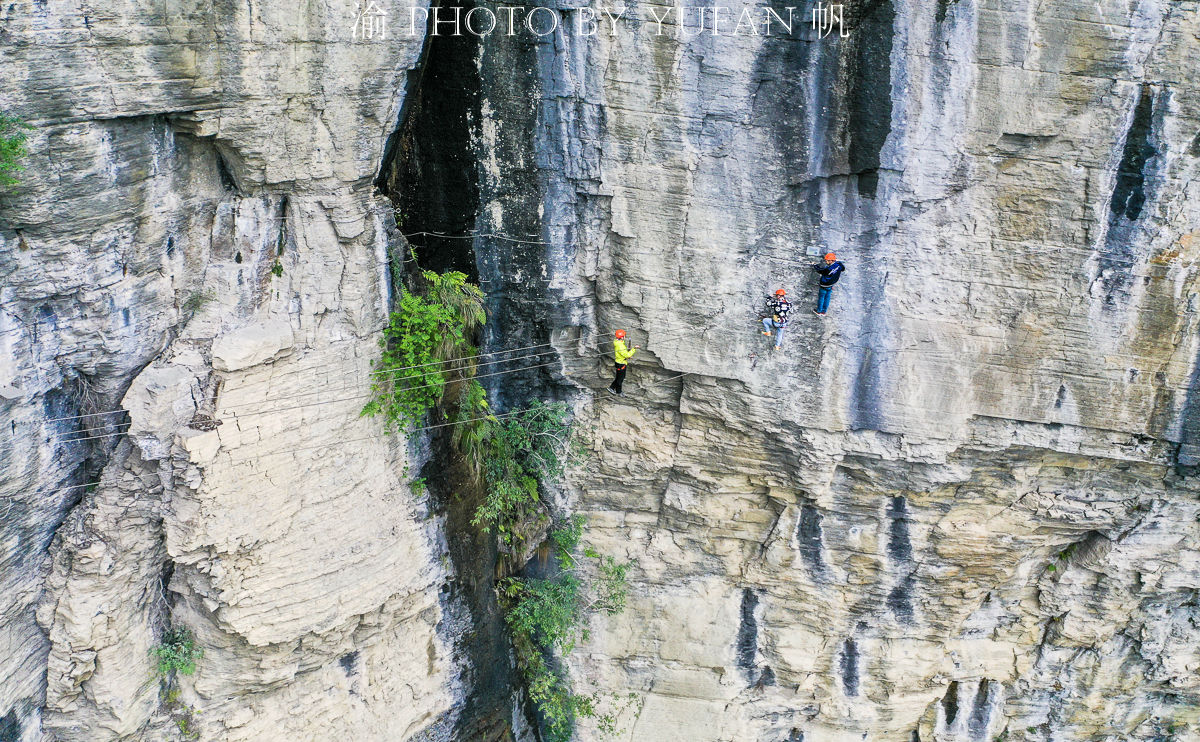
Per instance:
(621,355)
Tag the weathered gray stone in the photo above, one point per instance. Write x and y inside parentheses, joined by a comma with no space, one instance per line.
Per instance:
(960,506)
(198,197)
(956,497)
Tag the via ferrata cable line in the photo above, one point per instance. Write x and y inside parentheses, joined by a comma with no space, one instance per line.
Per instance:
(128,424)
(595,401)
(668,337)
(391,373)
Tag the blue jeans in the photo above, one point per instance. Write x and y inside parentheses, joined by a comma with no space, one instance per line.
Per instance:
(823,298)
(770,324)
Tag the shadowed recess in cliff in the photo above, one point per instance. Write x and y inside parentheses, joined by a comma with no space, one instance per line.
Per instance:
(848,665)
(747,636)
(524,188)
(431,173)
(950,704)
(473,619)
(808,540)
(1128,199)
(870,92)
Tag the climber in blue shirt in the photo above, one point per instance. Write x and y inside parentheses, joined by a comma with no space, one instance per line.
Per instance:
(830,272)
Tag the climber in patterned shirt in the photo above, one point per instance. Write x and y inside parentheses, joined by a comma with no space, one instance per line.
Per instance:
(830,273)
(621,356)
(778,307)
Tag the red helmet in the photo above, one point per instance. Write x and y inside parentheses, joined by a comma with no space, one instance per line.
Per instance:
(620,334)
(780,292)
(830,256)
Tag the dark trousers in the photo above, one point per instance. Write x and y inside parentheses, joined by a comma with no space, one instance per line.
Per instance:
(619,379)
(823,298)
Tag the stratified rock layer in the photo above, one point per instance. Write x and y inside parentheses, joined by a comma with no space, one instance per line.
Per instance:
(960,505)
(197,241)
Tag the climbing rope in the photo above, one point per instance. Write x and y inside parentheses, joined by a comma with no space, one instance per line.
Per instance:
(236,416)
(682,331)
(258,457)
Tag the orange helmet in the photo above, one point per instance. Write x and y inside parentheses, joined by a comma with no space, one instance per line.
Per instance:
(620,334)
(780,292)
(830,256)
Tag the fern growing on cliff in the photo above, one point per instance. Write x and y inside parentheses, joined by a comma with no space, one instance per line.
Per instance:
(546,618)
(178,653)
(426,348)
(12,147)
(513,455)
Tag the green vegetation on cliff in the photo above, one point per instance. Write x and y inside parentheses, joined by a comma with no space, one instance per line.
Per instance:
(514,454)
(547,617)
(426,348)
(428,362)
(178,653)
(12,147)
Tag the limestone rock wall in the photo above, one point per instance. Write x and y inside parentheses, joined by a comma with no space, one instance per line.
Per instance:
(197,237)
(961,507)
(958,508)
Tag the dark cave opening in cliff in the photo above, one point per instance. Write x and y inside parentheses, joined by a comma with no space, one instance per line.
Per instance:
(430,174)
(429,170)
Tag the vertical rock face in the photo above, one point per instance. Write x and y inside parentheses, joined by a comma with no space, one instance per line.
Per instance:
(197,238)
(961,505)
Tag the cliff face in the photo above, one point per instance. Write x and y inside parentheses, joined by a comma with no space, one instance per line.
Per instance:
(958,507)
(197,236)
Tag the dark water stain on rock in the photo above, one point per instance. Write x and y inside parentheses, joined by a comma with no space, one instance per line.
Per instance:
(747,636)
(1129,195)
(808,540)
(10,728)
(980,710)
(943,8)
(1128,200)
(899,543)
(781,101)
(950,703)
(848,664)
(866,402)
(846,80)
(766,677)
(899,600)
(1187,456)
(870,94)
